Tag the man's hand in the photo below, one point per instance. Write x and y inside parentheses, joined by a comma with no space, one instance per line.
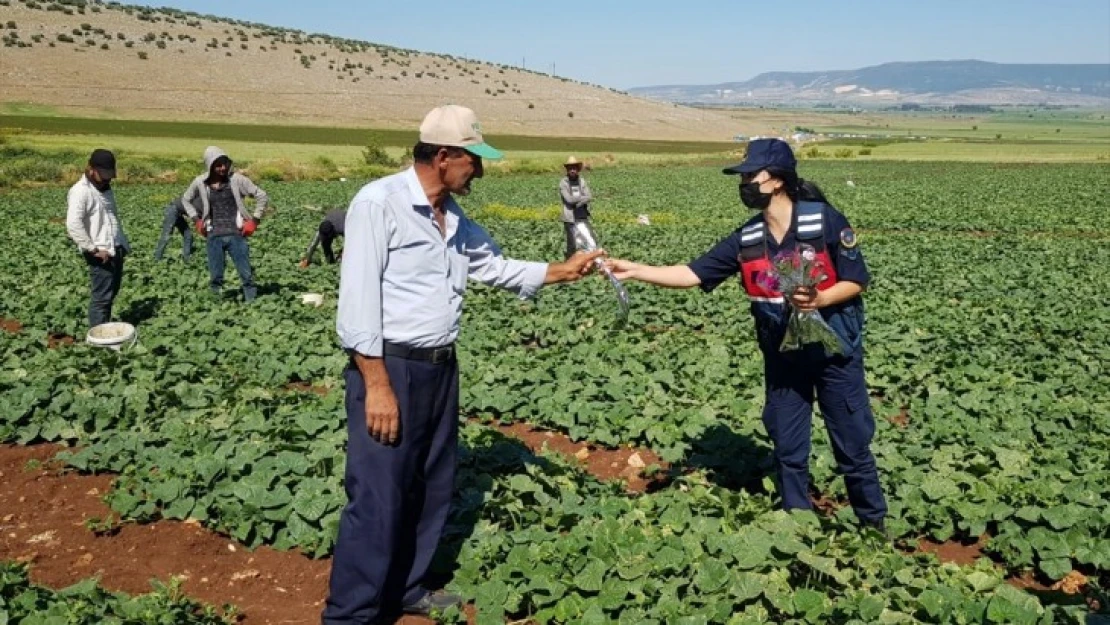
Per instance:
(806,299)
(303,264)
(102,255)
(383,418)
(573,268)
(200,227)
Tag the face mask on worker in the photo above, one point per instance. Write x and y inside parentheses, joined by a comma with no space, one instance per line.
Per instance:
(753,197)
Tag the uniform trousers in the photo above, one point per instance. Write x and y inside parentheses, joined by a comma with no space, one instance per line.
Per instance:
(792,381)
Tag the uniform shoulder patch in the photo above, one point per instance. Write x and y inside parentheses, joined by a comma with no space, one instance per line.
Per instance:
(848,238)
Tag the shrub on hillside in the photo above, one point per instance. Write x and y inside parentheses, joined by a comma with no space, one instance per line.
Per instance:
(374,154)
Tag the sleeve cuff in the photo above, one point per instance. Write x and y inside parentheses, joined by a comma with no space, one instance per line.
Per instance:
(370,347)
(534,276)
(707,286)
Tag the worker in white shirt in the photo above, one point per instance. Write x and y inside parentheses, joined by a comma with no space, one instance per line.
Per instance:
(92,222)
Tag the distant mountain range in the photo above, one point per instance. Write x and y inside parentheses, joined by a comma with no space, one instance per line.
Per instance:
(926,82)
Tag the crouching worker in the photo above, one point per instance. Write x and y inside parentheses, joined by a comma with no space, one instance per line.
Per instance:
(175,218)
(330,229)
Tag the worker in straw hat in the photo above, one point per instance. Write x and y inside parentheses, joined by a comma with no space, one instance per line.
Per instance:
(575,194)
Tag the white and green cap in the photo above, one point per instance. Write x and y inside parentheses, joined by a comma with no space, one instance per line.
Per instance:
(456,126)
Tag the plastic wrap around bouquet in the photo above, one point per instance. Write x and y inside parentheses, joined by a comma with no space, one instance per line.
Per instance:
(800,269)
(586,240)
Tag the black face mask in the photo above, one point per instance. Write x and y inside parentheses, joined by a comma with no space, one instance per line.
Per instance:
(753,198)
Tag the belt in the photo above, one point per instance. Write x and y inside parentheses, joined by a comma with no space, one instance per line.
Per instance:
(434,355)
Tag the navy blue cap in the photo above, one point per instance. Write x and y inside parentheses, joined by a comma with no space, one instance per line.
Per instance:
(765,154)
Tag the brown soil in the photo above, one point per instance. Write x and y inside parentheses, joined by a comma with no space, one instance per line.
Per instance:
(54,340)
(826,506)
(56,220)
(1026,581)
(42,523)
(1072,584)
(10,325)
(966,554)
(902,419)
(955,551)
(626,463)
(305,387)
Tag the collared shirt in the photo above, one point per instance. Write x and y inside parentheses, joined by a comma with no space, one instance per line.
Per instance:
(403,281)
(91,219)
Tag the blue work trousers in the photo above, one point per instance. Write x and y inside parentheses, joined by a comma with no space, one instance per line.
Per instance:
(398,496)
(174,220)
(792,380)
(235,245)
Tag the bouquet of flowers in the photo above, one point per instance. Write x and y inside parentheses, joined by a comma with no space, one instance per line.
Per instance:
(790,271)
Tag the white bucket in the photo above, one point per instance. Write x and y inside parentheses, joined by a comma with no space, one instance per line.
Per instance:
(113,335)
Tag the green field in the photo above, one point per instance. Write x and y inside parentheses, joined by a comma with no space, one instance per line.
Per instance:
(1009,135)
(36,150)
(317,135)
(988,325)
(23,602)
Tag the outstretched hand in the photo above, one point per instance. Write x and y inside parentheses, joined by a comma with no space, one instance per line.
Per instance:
(573,268)
(621,269)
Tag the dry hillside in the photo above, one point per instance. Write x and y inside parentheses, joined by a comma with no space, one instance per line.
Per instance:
(132,62)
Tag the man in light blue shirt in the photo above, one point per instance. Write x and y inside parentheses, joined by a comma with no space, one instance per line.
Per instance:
(408,253)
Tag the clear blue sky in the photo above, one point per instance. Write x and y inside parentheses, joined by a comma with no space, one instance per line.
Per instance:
(623,43)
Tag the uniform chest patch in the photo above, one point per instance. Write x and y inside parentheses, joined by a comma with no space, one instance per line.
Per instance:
(848,238)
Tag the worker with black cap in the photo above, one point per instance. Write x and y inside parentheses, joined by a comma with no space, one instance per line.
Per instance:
(92,222)
(792,213)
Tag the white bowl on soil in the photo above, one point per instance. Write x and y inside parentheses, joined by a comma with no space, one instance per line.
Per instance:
(114,335)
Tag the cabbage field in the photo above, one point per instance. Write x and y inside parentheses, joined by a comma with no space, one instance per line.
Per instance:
(988,356)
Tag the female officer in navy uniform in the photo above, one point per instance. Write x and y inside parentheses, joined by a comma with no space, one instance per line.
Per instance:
(770,184)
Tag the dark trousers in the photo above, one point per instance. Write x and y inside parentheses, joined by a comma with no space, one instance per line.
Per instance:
(105,278)
(174,220)
(571,247)
(842,395)
(235,245)
(398,497)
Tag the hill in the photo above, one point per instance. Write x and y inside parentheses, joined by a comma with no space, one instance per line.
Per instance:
(927,82)
(119,61)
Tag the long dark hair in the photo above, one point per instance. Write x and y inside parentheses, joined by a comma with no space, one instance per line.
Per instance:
(809,192)
(798,189)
